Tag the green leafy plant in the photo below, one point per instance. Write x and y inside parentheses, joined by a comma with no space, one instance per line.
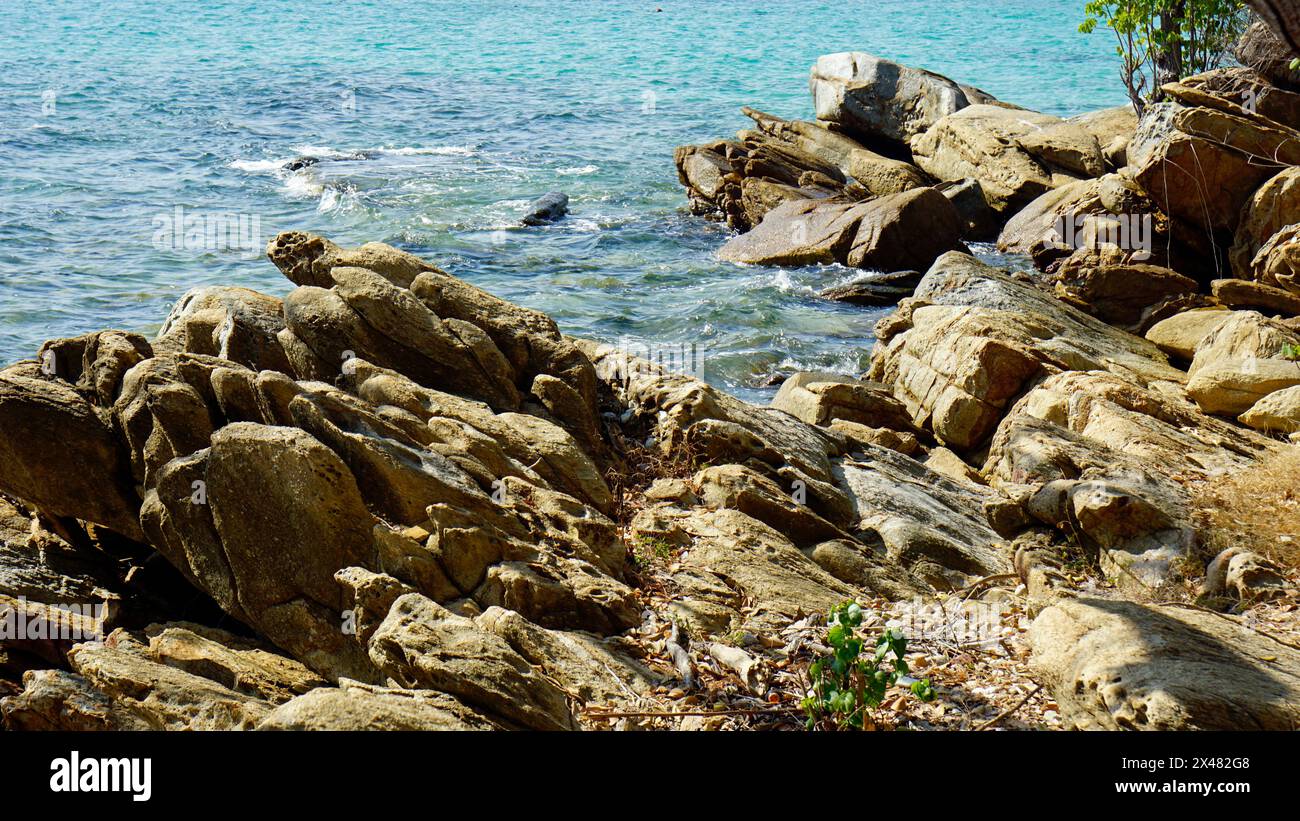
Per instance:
(1291,352)
(1163,41)
(852,681)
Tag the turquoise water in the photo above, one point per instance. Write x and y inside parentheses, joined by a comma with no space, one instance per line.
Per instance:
(437,123)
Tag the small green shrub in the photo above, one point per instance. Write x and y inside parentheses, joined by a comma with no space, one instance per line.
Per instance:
(1291,352)
(849,683)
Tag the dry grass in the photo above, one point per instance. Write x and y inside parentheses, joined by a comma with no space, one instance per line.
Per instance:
(641,466)
(1258,508)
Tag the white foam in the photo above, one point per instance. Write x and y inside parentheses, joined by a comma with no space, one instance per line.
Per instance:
(301,186)
(578,171)
(436,150)
(257,166)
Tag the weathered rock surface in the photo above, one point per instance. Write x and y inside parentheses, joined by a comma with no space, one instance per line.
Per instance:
(427,507)
(1240,362)
(354,706)
(820,398)
(421,645)
(972,338)
(1121,293)
(1244,295)
(890,233)
(1016,155)
(1122,665)
(1241,91)
(1181,334)
(1201,165)
(1113,128)
(1262,50)
(1277,412)
(59,452)
(1084,214)
(876,98)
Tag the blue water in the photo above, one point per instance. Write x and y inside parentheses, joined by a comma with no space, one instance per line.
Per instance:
(113,114)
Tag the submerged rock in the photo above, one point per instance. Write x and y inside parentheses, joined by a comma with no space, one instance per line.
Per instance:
(547,208)
(876,290)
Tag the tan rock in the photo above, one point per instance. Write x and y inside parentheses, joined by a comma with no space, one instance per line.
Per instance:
(59,452)
(1014,154)
(1113,128)
(1243,575)
(860,435)
(1241,362)
(1200,165)
(1121,294)
(1278,260)
(1277,412)
(59,700)
(422,645)
(1241,91)
(821,398)
(598,671)
(352,706)
(786,509)
(1180,334)
(1241,294)
(891,233)
(1262,50)
(929,525)
(1083,210)
(956,364)
(942,460)
(1122,665)
(165,697)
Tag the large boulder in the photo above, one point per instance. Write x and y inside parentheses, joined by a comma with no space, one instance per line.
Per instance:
(1201,165)
(59,452)
(1241,362)
(236,324)
(1272,208)
(1113,128)
(1016,155)
(1119,293)
(877,174)
(273,561)
(1278,260)
(890,233)
(1110,459)
(354,706)
(934,527)
(1240,91)
(421,645)
(1122,665)
(1181,334)
(972,338)
(1110,211)
(1262,50)
(1241,294)
(877,99)
(1277,412)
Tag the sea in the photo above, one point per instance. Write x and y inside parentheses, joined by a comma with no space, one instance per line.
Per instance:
(433,126)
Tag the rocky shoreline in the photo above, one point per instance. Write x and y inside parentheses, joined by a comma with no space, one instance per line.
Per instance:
(392,500)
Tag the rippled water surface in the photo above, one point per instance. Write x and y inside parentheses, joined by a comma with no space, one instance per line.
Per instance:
(436,123)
